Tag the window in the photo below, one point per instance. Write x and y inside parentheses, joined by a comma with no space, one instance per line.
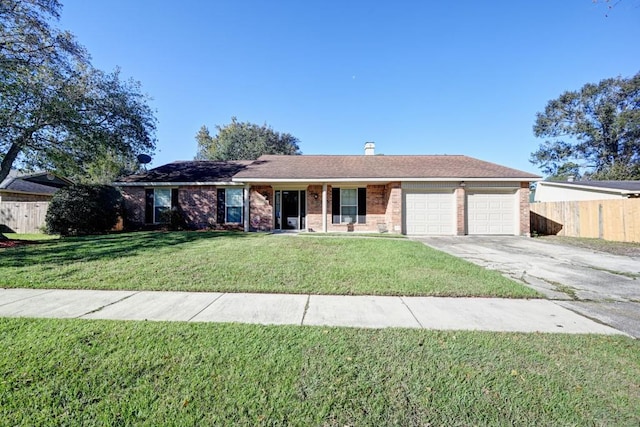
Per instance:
(348,205)
(235,204)
(161,205)
(158,204)
(230,205)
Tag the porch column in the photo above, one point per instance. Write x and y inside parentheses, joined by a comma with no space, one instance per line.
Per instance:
(324,208)
(245,193)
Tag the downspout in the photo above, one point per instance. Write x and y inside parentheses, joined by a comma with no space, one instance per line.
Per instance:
(324,207)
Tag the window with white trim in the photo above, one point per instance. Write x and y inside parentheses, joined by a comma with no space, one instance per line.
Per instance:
(234,205)
(161,205)
(348,205)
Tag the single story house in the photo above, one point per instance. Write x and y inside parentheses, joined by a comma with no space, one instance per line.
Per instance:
(568,191)
(416,195)
(30,187)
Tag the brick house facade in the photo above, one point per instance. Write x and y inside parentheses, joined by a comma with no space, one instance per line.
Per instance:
(454,195)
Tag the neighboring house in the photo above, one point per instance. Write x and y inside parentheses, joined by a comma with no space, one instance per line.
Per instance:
(418,195)
(567,191)
(30,187)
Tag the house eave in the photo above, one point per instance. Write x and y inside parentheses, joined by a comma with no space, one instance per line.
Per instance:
(175,184)
(590,188)
(23,193)
(413,179)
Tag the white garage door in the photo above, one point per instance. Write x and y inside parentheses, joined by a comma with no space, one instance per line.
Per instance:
(429,213)
(491,213)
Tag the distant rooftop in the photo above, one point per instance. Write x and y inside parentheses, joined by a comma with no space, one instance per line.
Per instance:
(625,186)
(33,183)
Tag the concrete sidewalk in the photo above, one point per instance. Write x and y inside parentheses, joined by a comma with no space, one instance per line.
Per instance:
(487,314)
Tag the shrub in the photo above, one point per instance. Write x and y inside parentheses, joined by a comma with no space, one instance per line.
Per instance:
(83,209)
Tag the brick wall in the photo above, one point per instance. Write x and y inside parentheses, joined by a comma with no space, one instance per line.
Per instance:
(133,200)
(197,204)
(314,207)
(393,215)
(261,208)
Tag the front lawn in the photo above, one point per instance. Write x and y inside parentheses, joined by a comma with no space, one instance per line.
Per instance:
(250,262)
(80,372)
(31,237)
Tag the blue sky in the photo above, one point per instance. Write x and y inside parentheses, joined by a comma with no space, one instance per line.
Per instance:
(415,77)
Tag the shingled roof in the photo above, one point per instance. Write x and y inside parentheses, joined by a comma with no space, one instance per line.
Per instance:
(328,168)
(32,183)
(188,172)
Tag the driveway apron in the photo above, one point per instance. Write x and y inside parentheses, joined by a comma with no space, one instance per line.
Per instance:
(598,285)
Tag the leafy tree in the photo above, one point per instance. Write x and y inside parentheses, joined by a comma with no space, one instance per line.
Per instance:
(56,111)
(83,209)
(206,147)
(595,130)
(104,167)
(244,141)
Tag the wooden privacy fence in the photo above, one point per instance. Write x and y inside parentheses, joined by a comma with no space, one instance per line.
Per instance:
(617,220)
(22,217)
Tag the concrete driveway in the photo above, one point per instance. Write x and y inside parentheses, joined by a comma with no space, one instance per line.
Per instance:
(598,285)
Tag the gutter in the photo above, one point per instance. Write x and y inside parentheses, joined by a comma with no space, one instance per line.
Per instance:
(173,184)
(379,179)
(628,193)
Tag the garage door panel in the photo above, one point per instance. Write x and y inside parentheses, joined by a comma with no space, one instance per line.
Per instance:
(429,213)
(491,213)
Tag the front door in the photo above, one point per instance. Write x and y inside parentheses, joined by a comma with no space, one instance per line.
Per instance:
(290,209)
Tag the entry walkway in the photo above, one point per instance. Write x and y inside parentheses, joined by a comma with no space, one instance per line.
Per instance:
(488,314)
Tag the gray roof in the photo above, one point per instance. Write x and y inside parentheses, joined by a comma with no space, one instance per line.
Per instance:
(33,183)
(633,186)
(193,171)
(312,167)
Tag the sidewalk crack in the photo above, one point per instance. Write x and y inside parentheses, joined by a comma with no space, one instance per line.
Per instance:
(412,313)
(110,304)
(306,308)
(207,306)
(25,298)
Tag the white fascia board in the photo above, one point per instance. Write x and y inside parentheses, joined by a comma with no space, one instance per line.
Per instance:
(587,188)
(330,180)
(173,184)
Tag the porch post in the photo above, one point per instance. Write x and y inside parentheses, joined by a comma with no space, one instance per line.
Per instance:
(246,208)
(324,207)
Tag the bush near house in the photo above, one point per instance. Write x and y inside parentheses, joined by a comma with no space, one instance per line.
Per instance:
(83,209)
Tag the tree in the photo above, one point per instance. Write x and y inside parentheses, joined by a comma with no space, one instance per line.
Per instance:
(594,131)
(206,147)
(244,141)
(83,209)
(103,167)
(56,110)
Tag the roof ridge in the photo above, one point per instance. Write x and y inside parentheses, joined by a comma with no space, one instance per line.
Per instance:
(367,156)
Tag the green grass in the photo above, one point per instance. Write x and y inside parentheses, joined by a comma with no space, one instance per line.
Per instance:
(616,248)
(250,262)
(79,372)
(32,237)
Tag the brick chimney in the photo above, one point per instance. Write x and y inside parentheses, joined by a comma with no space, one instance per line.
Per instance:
(369,149)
